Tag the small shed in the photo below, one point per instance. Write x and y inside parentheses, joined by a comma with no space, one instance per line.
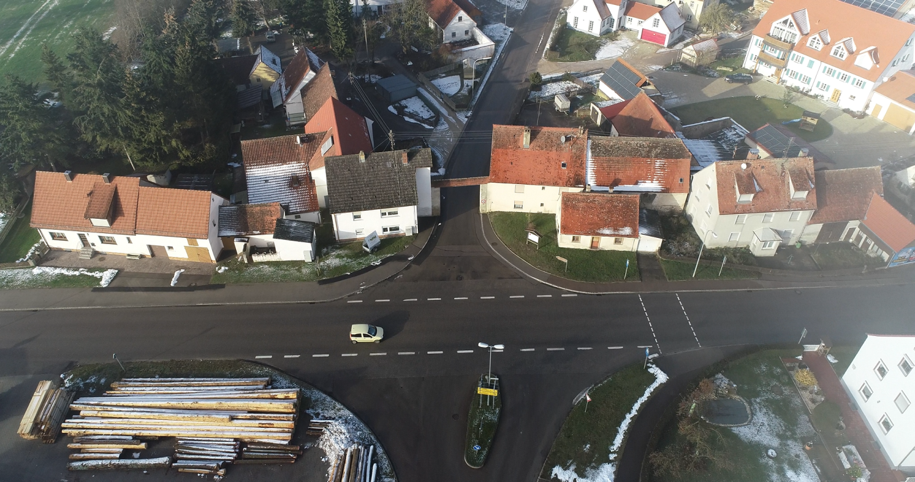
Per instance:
(809,120)
(395,88)
(562,103)
(700,53)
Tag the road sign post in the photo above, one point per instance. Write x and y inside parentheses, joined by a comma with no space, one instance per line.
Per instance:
(626,273)
(560,258)
(725,260)
(803,334)
(645,365)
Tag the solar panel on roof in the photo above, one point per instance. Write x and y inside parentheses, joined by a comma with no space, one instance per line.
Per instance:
(622,80)
(883,7)
(777,143)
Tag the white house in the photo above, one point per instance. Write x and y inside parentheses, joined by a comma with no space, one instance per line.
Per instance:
(894,102)
(595,17)
(375,8)
(287,90)
(662,26)
(263,226)
(690,10)
(384,192)
(454,20)
(837,51)
(115,215)
(757,203)
(881,383)
(603,221)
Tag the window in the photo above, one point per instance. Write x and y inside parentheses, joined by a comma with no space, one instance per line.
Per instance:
(843,77)
(859,84)
(795,216)
(389,213)
(708,210)
(880,370)
(656,22)
(886,424)
(129,241)
(519,204)
(708,182)
(822,86)
(689,18)
(584,9)
(58,236)
(107,240)
(895,62)
(741,219)
(767,218)
(810,64)
(453,34)
(466,32)
(905,365)
(576,239)
(359,231)
(563,165)
(327,145)
(617,241)
(902,402)
(170,248)
(758,42)
(734,237)
(815,43)
(460,18)
(838,52)
(519,188)
(357,216)
(575,22)
(769,244)
(390,229)
(865,391)
(591,26)
(829,71)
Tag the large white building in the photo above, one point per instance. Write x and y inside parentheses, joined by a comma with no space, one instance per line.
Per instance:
(831,49)
(881,383)
(661,23)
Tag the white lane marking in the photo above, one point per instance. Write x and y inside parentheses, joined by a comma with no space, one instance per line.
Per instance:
(487,297)
(320,355)
(264,356)
(406,353)
(434,299)
(498,351)
(544,296)
(690,323)
(434,352)
(555,349)
(649,326)
(516,296)
(354,301)
(614,348)
(569,295)
(527,349)
(410,299)
(584,348)
(349,354)
(465,351)
(382,301)
(644,346)
(460,298)
(378,353)
(291,356)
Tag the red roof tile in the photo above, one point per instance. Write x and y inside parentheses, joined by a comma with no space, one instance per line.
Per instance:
(277,170)
(612,110)
(295,73)
(640,117)
(641,11)
(101,199)
(248,219)
(547,162)
(316,92)
(631,161)
(443,11)
(58,204)
(767,180)
(844,194)
(598,214)
(180,213)
(348,129)
(900,88)
(888,224)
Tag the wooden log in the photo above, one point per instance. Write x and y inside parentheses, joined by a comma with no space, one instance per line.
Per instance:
(27,425)
(101,451)
(94,456)
(129,445)
(103,438)
(269,406)
(205,457)
(223,381)
(249,455)
(214,453)
(262,461)
(192,464)
(271,424)
(243,436)
(120,424)
(160,462)
(157,415)
(279,394)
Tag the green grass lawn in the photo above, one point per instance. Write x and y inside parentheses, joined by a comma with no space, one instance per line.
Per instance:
(681,270)
(20,239)
(752,114)
(584,264)
(842,256)
(575,46)
(30,278)
(733,63)
(585,437)
(26,24)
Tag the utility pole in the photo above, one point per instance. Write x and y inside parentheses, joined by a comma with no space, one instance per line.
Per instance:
(366,33)
(391,139)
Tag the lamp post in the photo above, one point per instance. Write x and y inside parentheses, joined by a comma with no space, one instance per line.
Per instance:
(701,248)
(473,76)
(490,347)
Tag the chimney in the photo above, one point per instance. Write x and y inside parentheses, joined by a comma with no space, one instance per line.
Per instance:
(361,156)
(526,143)
(107,177)
(804,152)
(403,158)
(300,139)
(68,175)
(587,188)
(753,154)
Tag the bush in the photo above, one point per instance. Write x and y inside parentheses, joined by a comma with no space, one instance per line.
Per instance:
(536,79)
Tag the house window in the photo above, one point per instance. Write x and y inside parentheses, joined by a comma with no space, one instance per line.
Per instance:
(389,213)
(795,216)
(708,183)
(886,424)
(359,231)
(741,219)
(58,236)
(357,216)
(859,84)
(769,244)
(519,204)
(815,43)
(610,22)
(591,26)
(460,18)
(865,391)
(453,34)
(563,165)
(902,402)
(689,18)
(895,62)
(170,248)
(838,52)
(880,370)
(107,240)
(390,229)
(767,218)
(905,58)
(656,22)
(708,210)
(734,237)
(576,239)
(519,188)
(575,22)
(905,365)
(584,9)
(843,77)
(617,241)
(810,64)
(466,32)
(129,241)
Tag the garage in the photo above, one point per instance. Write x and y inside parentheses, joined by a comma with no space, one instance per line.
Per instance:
(899,117)
(654,37)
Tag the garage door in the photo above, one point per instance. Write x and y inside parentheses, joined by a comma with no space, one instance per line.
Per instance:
(201,255)
(899,117)
(654,37)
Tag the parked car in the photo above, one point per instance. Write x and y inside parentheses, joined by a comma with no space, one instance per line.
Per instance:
(363,333)
(738,78)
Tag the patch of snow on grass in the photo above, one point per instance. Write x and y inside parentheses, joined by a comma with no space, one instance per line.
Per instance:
(392,109)
(415,106)
(40,274)
(448,85)
(497,32)
(30,253)
(659,379)
(177,275)
(553,88)
(514,4)
(107,34)
(603,473)
(614,49)
(25,26)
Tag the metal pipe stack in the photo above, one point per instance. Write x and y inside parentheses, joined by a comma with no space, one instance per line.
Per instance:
(355,465)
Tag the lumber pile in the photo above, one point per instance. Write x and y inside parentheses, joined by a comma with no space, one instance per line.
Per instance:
(45,411)
(355,465)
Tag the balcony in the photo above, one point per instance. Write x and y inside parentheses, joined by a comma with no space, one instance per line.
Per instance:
(774,42)
(771,60)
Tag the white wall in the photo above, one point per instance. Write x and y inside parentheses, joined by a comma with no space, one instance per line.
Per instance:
(606,243)
(313,216)
(668,201)
(320,177)
(462,30)
(424,191)
(884,103)
(585,12)
(138,244)
(484,48)
(347,228)
(214,243)
(898,443)
(498,197)
(295,250)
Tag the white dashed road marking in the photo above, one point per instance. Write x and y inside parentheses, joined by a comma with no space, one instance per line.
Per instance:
(354,301)
(349,354)
(569,295)
(614,348)
(584,348)
(321,355)
(291,356)
(649,325)
(527,349)
(555,349)
(465,351)
(645,346)
(378,353)
(434,352)
(406,353)
(434,299)
(690,323)
(544,296)
(516,296)
(410,299)
(487,297)
(461,298)
(382,301)
(264,356)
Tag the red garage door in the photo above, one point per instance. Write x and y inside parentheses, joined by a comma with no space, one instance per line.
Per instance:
(654,37)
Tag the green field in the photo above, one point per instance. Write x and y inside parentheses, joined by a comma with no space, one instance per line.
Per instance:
(26,24)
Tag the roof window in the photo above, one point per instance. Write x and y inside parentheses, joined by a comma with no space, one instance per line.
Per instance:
(838,52)
(815,43)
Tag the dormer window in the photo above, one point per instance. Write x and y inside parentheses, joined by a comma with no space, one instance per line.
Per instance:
(838,52)
(784,31)
(815,43)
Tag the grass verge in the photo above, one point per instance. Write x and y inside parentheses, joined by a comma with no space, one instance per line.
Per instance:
(482,422)
(575,46)
(20,239)
(30,278)
(752,114)
(842,256)
(681,270)
(585,438)
(584,264)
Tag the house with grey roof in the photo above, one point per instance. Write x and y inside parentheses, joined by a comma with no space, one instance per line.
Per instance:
(383,192)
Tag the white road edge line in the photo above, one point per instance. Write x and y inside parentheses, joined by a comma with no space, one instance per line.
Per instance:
(320,355)
(291,356)
(527,349)
(264,356)
(487,297)
(406,353)
(378,353)
(434,352)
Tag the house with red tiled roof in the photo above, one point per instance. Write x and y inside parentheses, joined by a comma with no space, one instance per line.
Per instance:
(603,221)
(287,90)
(756,203)
(116,215)
(831,49)
(657,169)
(639,117)
(454,20)
(277,171)
(658,25)
(894,101)
(265,227)
(843,196)
(886,233)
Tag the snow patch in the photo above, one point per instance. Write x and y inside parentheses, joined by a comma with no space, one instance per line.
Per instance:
(415,106)
(28,24)
(514,4)
(603,473)
(177,275)
(613,49)
(448,85)
(107,34)
(19,277)
(659,379)
(28,255)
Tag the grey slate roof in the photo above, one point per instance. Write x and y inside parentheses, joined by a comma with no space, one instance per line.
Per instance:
(381,181)
(293,230)
(622,80)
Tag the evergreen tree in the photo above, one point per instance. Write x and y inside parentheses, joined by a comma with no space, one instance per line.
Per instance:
(339,28)
(306,17)
(56,72)
(28,131)
(716,18)
(244,20)
(408,22)
(10,191)
(202,18)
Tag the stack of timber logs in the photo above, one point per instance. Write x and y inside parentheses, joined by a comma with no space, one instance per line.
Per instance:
(45,411)
(267,453)
(355,465)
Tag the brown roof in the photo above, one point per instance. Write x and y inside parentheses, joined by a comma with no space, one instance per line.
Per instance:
(180,213)
(767,180)
(641,117)
(349,131)
(316,92)
(547,162)
(645,161)
(443,11)
(238,68)
(612,110)
(58,204)
(277,170)
(101,198)
(248,219)
(888,224)
(295,72)
(900,88)
(844,194)
(598,214)
(842,20)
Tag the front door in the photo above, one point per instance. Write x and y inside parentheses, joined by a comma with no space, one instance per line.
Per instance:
(836,94)
(83,239)
(595,242)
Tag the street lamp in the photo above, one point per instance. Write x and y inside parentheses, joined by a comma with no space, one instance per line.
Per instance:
(701,248)
(490,347)
(473,76)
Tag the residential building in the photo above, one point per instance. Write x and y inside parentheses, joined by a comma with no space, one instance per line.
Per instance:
(598,17)
(116,215)
(382,192)
(287,90)
(690,10)
(831,49)
(595,17)
(885,233)
(622,81)
(714,140)
(602,221)
(659,25)
(779,141)
(264,68)
(295,240)
(263,227)
(639,117)
(894,101)
(453,20)
(375,8)
(276,171)
(317,92)
(890,8)
(881,384)
(757,203)
(658,169)
(843,197)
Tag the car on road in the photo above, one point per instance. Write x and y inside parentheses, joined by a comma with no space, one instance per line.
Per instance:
(738,78)
(363,333)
